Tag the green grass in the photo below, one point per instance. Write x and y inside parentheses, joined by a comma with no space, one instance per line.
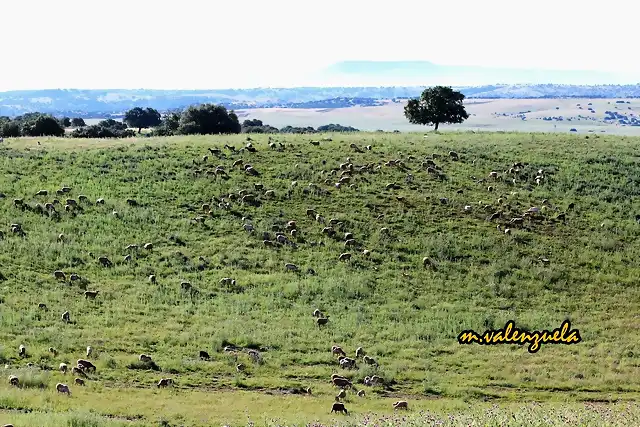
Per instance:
(407,317)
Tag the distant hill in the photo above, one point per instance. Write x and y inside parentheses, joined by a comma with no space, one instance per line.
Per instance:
(407,73)
(106,102)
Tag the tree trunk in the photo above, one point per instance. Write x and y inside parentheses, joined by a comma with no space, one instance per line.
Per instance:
(436,129)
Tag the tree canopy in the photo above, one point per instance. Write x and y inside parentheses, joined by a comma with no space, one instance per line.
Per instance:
(78,122)
(439,104)
(208,119)
(142,118)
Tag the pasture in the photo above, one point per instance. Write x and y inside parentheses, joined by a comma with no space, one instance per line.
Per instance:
(576,257)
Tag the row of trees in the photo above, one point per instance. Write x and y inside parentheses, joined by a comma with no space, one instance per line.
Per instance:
(436,105)
(36,124)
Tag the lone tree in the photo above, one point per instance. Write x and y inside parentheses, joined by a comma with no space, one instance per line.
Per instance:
(142,118)
(439,104)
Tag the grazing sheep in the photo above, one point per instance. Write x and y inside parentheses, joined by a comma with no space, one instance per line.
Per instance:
(164,382)
(339,407)
(376,380)
(344,257)
(401,404)
(152,279)
(453,155)
(334,376)
(61,238)
(240,367)
(66,317)
(63,368)
(53,351)
(13,380)
(317,313)
(63,388)
(85,365)
(366,252)
(328,231)
(144,358)
(83,198)
(342,394)
(42,306)
(321,321)
(148,246)
(104,261)
(91,294)
(59,275)
(42,193)
(22,350)
(369,361)
(350,242)
(347,362)
(338,350)
(127,258)
(100,201)
(132,202)
(204,355)
(291,267)
(78,381)
(89,351)
(254,355)
(426,262)
(360,352)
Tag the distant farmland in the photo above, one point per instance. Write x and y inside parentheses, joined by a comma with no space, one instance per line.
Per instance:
(486,114)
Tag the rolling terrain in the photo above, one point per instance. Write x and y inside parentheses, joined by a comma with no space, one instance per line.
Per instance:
(575,258)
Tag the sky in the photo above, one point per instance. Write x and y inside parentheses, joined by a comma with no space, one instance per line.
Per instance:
(202,44)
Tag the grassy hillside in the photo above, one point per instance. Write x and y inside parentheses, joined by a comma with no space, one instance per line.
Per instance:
(583,268)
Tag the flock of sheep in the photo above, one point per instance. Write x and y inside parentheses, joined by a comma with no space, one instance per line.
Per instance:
(345,174)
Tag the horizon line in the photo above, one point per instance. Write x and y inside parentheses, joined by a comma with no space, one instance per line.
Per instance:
(318,87)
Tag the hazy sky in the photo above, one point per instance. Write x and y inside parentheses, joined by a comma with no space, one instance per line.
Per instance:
(191,44)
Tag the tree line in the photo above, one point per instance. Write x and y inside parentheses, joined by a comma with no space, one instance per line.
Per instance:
(203,119)
(435,106)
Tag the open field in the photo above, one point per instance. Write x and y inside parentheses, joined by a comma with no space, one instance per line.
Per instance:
(485,114)
(407,316)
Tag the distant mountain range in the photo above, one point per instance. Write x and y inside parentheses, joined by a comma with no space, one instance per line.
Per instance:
(113,102)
